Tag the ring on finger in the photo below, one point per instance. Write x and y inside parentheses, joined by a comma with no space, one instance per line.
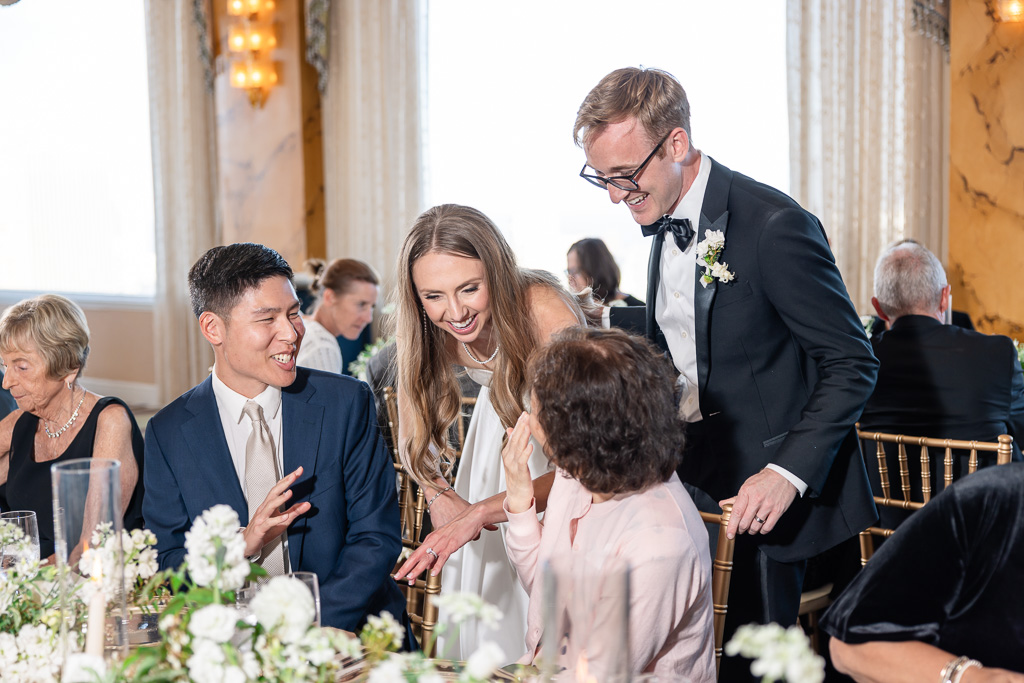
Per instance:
(430,551)
(756,519)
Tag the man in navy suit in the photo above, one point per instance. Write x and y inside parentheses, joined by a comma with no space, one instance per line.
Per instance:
(229,439)
(936,380)
(774,363)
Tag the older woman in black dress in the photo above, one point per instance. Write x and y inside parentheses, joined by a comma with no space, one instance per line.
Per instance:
(44,343)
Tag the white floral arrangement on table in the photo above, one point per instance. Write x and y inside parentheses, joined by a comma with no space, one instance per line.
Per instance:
(779,654)
(138,548)
(357,368)
(30,615)
(708,251)
(382,636)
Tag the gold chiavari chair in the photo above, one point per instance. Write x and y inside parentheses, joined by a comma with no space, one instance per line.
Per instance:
(721,577)
(1002,447)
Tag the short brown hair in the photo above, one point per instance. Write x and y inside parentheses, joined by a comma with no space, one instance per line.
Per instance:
(652,96)
(55,326)
(339,275)
(607,407)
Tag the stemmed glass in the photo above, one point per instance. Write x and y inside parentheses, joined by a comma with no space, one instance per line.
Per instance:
(26,521)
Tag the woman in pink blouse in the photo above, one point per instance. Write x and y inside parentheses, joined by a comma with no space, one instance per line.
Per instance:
(616,497)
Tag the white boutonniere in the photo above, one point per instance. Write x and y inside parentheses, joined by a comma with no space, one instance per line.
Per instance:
(708,251)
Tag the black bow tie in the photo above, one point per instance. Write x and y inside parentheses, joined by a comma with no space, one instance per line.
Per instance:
(680,228)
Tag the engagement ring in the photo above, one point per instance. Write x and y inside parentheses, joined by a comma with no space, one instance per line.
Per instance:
(430,551)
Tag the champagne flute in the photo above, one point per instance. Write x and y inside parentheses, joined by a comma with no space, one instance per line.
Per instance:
(25,520)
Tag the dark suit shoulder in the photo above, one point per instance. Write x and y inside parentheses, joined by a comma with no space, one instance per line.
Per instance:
(173,410)
(319,385)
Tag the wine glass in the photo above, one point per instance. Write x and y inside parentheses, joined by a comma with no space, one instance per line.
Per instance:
(26,552)
(313,584)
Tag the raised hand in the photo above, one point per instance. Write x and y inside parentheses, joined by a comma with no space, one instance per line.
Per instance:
(268,521)
(515,456)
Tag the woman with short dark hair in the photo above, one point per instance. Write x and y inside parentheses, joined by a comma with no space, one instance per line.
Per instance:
(615,495)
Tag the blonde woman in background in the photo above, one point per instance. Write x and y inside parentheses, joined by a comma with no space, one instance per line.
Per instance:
(346,292)
(463,300)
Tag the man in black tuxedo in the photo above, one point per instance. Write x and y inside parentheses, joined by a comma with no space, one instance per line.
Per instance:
(775,366)
(938,380)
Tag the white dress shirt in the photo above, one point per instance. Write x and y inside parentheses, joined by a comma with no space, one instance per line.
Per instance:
(319,349)
(674,305)
(237,428)
(674,309)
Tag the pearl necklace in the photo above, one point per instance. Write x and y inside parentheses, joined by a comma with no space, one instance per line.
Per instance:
(477,360)
(71,421)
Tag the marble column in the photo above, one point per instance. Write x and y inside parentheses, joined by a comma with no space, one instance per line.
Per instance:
(986,212)
(270,167)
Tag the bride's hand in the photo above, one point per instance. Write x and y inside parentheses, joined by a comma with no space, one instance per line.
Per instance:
(447,507)
(515,457)
(439,545)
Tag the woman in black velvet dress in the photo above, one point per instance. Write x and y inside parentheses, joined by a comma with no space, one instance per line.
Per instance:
(945,594)
(44,343)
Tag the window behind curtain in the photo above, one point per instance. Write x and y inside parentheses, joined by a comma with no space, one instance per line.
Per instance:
(505,81)
(76,178)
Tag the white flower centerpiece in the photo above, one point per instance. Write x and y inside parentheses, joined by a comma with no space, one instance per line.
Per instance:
(30,615)
(779,654)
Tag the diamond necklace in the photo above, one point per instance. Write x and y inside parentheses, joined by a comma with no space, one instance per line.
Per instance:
(477,360)
(71,421)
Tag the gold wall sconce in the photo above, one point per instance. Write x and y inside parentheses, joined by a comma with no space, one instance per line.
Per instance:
(250,39)
(1011,10)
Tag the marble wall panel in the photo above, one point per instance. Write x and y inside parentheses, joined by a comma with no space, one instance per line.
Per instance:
(986,216)
(261,152)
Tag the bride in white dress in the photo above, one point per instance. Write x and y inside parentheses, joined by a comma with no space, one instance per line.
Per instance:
(463,300)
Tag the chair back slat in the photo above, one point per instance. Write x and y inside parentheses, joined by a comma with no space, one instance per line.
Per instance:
(721,577)
(904,466)
(883,468)
(926,474)
(1002,448)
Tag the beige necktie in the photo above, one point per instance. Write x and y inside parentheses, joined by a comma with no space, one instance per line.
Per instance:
(260,476)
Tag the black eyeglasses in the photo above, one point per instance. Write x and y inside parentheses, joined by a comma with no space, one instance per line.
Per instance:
(623,182)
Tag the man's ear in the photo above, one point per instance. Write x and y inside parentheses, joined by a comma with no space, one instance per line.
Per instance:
(944,298)
(878,309)
(679,144)
(213,327)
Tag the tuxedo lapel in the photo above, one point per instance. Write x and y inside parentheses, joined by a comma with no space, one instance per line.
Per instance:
(208,447)
(301,428)
(653,277)
(716,199)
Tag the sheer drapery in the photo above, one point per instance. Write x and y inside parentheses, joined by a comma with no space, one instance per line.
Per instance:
(184,170)
(372,128)
(868,117)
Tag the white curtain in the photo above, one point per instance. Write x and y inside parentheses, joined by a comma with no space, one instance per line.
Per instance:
(373,137)
(868,113)
(184,173)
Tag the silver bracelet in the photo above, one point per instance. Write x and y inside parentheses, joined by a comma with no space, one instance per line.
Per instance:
(955,668)
(437,495)
(963,666)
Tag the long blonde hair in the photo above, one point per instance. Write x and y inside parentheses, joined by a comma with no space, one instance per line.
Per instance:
(425,356)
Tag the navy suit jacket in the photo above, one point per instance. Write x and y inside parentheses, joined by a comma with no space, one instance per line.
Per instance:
(350,536)
(783,364)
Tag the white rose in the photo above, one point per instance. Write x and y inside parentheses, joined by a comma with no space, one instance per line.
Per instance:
(8,649)
(285,606)
(721,271)
(215,622)
(481,664)
(388,671)
(206,665)
(222,520)
(715,238)
(232,674)
(147,563)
